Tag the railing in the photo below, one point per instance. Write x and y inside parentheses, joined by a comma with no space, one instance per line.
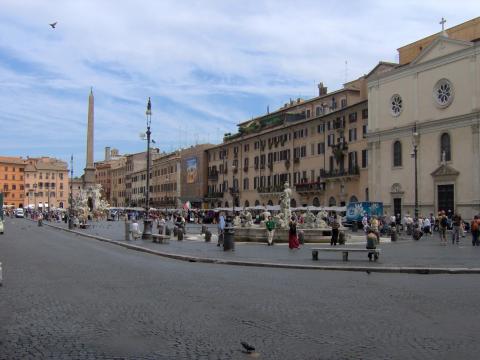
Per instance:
(340,172)
(313,186)
(214,195)
(213,176)
(270,189)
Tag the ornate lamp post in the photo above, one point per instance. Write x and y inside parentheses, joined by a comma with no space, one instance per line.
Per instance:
(415,142)
(147,222)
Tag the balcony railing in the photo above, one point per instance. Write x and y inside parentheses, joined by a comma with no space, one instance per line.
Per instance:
(353,171)
(270,189)
(214,195)
(310,187)
(213,176)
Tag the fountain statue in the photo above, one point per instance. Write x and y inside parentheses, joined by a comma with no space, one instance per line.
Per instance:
(285,203)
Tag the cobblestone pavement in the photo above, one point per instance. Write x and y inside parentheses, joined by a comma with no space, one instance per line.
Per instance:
(427,252)
(67,297)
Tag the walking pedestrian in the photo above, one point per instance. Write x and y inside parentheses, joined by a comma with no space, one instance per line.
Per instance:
(442,227)
(335,226)
(292,234)
(221,228)
(475,229)
(270,225)
(427,227)
(371,244)
(456,222)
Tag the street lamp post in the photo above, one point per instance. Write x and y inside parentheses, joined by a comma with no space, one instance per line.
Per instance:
(147,222)
(415,142)
(70,208)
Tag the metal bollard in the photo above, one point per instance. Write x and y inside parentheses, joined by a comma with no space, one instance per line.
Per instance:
(179,234)
(127,230)
(208,235)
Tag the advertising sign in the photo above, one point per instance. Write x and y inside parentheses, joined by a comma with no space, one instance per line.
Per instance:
(356,210)
(192,170)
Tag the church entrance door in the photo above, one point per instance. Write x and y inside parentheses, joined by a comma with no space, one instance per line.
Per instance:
(446,198)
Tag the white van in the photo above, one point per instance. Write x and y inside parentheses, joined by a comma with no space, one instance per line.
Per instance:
(19,213)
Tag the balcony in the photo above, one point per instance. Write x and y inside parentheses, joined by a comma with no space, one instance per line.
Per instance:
(350,173)
(214,195)
(312,187)
(270,190)
(213,176)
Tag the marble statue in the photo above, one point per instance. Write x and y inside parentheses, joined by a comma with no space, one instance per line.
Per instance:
(237,221)
(285,202)
(309,219)
(248,219)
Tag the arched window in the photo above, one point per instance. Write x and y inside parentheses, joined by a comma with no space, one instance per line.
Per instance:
(332,201)
(257,202)
(316,201)
(445,147)
(270,202)
(353,199)
(247,204)
(397,153)
(293,203)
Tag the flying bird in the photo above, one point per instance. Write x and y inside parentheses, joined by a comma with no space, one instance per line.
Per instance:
(249,348)
(53,25)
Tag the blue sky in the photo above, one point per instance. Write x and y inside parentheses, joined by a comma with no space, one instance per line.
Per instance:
(207,65)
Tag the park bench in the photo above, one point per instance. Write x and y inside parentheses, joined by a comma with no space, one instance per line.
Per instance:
(345,251)
(160,238)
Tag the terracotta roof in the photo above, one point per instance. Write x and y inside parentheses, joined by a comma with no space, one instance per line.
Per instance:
(12,160)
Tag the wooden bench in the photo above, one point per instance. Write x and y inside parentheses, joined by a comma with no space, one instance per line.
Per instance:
(345,251)
(160,238)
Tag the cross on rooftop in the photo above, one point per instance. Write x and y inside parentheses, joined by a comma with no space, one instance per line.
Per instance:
(442,22)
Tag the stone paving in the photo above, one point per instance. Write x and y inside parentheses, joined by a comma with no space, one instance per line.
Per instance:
(67,297)
(427,252)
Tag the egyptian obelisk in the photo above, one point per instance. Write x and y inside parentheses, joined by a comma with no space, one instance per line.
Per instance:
(89,174)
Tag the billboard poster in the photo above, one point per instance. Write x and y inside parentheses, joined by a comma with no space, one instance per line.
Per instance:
(192,170)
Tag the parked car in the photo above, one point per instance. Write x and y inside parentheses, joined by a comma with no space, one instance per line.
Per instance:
(19,213)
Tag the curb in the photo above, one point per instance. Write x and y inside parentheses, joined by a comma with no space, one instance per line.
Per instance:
(189,258)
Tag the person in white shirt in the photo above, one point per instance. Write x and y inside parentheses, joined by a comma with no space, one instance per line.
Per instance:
(427,226)
(135,230)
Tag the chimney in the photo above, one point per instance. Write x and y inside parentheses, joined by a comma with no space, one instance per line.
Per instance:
(107,153)
(322,90)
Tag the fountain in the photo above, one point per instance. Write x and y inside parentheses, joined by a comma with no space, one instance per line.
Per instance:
(315,228)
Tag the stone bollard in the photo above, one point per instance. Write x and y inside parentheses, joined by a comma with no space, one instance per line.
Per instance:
(179,234)
(208,235)
(301,237)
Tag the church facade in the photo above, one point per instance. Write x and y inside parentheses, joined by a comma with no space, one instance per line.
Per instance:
(431,104)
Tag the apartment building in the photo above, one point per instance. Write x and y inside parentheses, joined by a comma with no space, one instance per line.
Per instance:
(46,183)
(318,146)
(12,180)
(165,185)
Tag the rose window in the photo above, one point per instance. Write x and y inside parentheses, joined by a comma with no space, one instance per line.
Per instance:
(443,93)
(396,105)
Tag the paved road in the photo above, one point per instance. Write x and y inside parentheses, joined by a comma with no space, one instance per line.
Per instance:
(65,296)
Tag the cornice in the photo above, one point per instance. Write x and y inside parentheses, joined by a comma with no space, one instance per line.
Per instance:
(412,69)
(453,122)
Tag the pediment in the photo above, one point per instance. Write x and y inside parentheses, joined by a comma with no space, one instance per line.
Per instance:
(440,47)
(445,170)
